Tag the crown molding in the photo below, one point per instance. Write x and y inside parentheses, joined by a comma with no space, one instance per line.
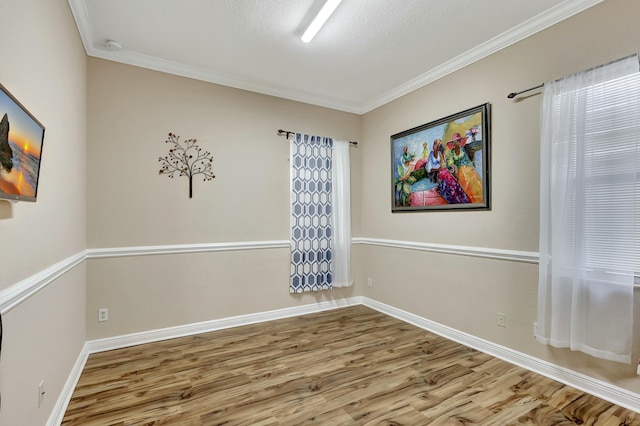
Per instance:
(550,17)
(176,68)
(534,25)
(81,16)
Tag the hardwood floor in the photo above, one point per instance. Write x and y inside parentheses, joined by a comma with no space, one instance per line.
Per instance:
(351,366)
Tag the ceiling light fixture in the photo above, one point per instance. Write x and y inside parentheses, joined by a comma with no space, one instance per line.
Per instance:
(320,19)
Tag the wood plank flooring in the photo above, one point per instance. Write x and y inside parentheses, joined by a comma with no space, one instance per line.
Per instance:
(350,366)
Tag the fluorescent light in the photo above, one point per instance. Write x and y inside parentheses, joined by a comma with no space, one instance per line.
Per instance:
(320,19)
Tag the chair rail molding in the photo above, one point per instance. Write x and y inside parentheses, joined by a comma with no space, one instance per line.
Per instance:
(19,292)
(97,253)
(483,252)
(14,295)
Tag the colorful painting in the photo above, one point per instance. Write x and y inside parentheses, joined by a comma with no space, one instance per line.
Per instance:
(21,137)
(443,165)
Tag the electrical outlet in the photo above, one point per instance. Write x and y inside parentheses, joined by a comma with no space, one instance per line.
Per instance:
(369,282)
(501,319)
(41,393)
(103,314)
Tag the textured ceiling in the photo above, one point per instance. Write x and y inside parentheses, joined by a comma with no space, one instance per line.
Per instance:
(369,52)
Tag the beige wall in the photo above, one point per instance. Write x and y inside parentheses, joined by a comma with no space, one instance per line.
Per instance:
(131,111)
(44,66)
(465,292)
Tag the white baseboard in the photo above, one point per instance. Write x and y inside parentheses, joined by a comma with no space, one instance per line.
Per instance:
(107,344)
(55,419)
(133,339)
(606,391)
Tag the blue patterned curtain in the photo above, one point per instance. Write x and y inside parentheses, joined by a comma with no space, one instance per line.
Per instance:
(311,214)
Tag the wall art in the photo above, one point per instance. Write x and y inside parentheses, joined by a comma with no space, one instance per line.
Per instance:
(21,139)
(444,164)
(186,158)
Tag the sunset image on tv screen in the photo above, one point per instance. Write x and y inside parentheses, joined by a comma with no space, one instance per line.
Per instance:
(21,139)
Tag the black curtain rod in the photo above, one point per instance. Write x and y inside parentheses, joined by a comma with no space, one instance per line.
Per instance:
(514,94)
(289,132)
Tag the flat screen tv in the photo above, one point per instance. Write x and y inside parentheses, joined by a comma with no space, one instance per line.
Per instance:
(21,138)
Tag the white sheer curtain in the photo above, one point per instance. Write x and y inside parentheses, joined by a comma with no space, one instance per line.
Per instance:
(341,209)
(590,133)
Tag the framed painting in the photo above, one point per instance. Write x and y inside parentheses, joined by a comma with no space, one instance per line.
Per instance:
(21,139)
(444,164)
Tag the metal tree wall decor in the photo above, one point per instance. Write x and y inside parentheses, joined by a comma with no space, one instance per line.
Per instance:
(186,159)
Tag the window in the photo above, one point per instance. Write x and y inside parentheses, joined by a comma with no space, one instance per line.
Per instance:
(611,136)
(590,210)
